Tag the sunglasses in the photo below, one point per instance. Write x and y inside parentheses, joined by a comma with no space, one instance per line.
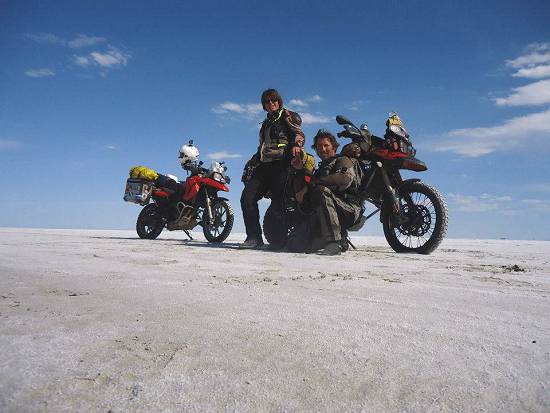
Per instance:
(270,101)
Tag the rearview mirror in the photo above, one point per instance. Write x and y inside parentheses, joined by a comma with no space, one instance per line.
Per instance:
(342,120)
(353,131)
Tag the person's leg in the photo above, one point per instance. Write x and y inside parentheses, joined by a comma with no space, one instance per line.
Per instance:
(325,206)
(277,174)
(252,193)
(335,216)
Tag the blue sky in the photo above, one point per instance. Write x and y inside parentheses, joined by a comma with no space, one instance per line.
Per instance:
(90,88)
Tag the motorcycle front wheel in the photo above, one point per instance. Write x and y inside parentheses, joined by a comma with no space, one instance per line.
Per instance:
(150,223)
(222,221)
(423,222)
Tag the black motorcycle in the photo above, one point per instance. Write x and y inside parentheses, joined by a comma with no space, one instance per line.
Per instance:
(413,214)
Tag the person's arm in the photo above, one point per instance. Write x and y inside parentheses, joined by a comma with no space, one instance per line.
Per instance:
(296,135)
(342,177)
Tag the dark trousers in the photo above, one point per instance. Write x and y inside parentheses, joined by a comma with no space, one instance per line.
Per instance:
(335,214)
(268,176)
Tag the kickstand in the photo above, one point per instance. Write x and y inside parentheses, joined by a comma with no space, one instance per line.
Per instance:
(349,242)
(189,235)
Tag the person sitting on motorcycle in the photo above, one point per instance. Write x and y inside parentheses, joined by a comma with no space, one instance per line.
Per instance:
(331,192)
(268,167)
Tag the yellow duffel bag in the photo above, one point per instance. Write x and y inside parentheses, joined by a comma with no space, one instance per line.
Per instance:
(142,172)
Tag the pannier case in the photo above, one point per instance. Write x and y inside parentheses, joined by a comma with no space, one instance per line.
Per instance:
(138,191)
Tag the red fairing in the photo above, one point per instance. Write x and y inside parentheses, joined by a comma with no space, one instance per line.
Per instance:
(388,154)
(215,184)
(194,183)
(192,187)
(160,193)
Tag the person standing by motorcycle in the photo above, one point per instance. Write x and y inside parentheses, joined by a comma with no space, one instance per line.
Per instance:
(280,138)
(332,192)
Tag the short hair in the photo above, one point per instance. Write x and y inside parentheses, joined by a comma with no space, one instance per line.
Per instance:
(271,94)
(323,133)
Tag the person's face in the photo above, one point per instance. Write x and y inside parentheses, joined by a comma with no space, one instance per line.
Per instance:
(271,105)
(324,148)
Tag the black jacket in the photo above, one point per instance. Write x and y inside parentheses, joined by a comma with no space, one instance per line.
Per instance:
(278,134)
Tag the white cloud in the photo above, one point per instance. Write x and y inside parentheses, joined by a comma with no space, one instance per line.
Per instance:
(111,147)
(540,205)
(82,40)
(537,72)
(475,142)
(45,38)
(534,128)
(356,105)
(220,156)
(537,93)
(113,57)
(106,60)
(8,144)
(39,73)
(545,187)
(297,102)
(533,65)
(538,47)
(529,60)
(480,203)
(246,110)
(311,119)
(302,103)
(82,61)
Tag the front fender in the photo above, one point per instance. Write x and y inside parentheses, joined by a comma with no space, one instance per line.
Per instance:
(405,182)
(411,180)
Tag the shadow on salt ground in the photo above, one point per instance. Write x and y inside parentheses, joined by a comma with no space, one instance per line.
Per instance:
(235,245)
(206,244)
(130,238)
(193,242)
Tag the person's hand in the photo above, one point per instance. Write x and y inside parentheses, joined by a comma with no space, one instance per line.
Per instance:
(297,162)
(300,194)
(296,151)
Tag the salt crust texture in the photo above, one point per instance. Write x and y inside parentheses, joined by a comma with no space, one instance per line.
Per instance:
(104,321)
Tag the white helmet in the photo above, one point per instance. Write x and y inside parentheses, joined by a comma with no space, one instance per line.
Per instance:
(188,154)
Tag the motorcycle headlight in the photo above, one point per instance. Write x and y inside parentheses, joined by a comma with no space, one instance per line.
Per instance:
(216,176)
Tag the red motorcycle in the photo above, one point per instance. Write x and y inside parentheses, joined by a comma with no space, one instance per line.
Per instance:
(184,205)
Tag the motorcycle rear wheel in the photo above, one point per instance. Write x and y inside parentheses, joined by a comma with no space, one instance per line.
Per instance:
(150,223)
(426,223)
(274,226)
(223,217)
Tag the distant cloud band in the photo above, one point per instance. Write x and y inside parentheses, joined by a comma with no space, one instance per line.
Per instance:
(39,73)
(220,156)
(475,142)
(533,129)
